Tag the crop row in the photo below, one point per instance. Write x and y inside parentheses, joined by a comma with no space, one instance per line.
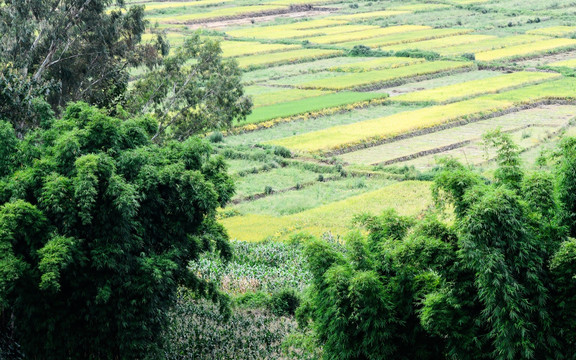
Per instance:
(371,15)
(291,108)
(285,57)
(564,63)
(365,34)
(378,77)
(371,131)
(554,31)
(524,50)
(436,44)
(222,13)
(282,32)
(265,96)
(476,87)
(407,37)
(420,7)
(298,2)
(489,44)
(408,198)
(376,64)
(243,48)
(549,116)
(153,6)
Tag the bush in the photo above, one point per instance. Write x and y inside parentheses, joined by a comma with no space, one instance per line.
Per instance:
(285,302)
(360,50)
(282,151)
(216,137)
(254,300)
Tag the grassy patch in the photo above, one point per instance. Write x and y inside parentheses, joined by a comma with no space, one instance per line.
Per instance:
(408,198)
(306,105)
(242,48)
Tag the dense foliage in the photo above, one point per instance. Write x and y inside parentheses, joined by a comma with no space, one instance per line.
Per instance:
(76,46)
(97,227)
(59,51)
(497,284)
(189,97)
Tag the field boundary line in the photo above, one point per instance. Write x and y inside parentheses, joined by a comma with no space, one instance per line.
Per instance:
(444,148)
(446,126)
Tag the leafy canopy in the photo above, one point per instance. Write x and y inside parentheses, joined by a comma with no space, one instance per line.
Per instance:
(497,284)
(97,227)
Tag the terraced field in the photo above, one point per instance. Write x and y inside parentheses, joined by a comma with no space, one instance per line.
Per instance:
(352,98)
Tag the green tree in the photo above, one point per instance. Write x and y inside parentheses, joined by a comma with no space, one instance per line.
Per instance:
(567,183)
(498,284)
(97,228)
(76,45)
(191,91)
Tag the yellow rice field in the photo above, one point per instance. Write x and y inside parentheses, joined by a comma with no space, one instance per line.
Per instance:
(518,51)
(366,34)
(285,57)
(242,48)
(476,87)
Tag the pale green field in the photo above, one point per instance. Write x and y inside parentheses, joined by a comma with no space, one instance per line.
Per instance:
(377,64)
(350,81)
(277,179)
(407,198)
(216,14)
(243,48)
(265,96)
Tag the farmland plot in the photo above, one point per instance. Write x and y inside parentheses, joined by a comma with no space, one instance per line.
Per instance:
(285,57)
(365,34)
(243,48)
(381,77)
(476,87)
(288,109)
(525,50)
(222,13)
(551,116)
(407,198)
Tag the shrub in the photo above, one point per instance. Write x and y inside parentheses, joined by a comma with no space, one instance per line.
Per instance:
(285,302)
(360,50)
(216,137)
(282,151)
